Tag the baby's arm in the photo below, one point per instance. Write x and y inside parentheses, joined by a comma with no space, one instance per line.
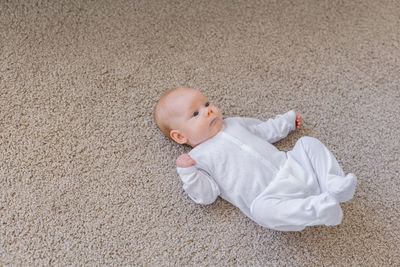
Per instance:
(274,129)
(200,187)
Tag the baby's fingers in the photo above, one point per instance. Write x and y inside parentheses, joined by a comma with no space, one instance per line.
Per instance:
(185,161)
(298,121)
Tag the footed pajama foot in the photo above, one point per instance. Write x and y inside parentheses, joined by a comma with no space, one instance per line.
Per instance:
(342,188)
(332,214)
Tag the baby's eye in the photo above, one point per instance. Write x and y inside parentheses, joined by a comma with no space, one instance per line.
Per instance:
(195,113)
(207,104)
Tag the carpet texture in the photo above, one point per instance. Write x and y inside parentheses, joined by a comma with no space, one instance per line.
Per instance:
(86,178)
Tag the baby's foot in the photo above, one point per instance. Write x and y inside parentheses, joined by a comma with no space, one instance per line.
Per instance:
(332,213)
(342,188)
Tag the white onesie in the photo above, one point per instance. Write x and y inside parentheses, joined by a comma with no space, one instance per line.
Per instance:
(278,190)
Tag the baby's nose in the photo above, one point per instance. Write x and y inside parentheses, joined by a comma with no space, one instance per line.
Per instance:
(208,111)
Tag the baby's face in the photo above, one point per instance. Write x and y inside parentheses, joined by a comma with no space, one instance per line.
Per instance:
(195,118)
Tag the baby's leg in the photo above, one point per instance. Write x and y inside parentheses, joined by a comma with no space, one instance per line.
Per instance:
(316,158)
(294,214)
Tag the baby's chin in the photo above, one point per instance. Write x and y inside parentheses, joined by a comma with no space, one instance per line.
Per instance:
(218,126)
(216,129)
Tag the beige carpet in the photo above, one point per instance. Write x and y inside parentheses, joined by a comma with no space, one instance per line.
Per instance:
(87,179)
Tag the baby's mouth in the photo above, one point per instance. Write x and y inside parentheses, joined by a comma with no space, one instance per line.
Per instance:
(213,121)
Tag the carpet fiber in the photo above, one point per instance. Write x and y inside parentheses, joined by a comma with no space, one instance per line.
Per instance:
(86,178)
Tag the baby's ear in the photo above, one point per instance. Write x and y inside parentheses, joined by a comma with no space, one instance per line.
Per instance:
(178,137)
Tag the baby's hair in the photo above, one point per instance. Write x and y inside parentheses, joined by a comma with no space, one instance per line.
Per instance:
(161,114)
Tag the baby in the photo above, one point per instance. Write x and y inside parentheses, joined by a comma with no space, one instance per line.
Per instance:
(234,158)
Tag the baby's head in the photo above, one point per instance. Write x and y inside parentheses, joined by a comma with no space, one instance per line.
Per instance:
(186,116)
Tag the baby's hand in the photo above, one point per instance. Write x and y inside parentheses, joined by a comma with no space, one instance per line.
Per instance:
(298,121)
(185,161)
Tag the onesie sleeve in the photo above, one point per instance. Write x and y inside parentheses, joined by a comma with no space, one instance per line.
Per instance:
(200,187)
(274,129)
